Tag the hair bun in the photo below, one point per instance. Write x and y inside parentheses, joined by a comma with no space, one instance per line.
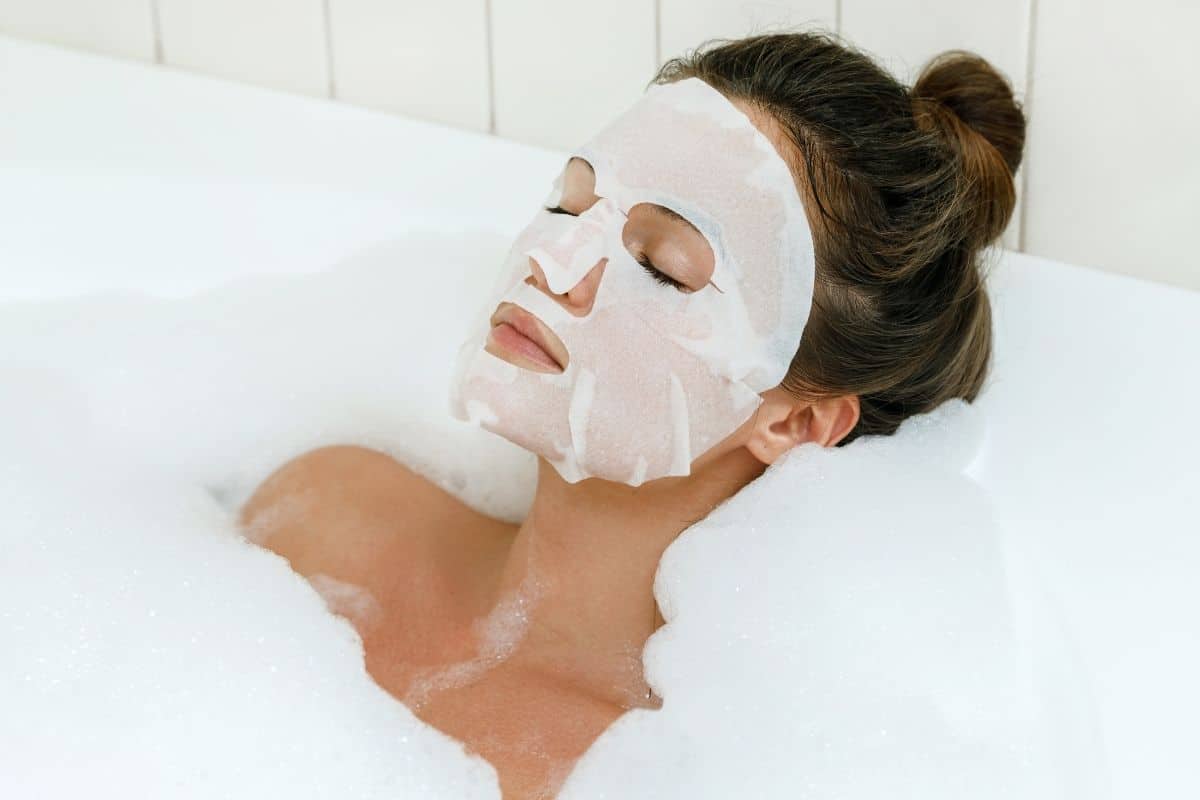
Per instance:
(964,98)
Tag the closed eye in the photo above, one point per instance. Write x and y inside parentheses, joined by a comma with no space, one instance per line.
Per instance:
(658,274)
(642,259)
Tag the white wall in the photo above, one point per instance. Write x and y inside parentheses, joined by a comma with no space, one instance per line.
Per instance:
(1111,165)
(1114,156)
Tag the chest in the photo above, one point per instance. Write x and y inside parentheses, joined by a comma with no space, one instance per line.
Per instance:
(529,727)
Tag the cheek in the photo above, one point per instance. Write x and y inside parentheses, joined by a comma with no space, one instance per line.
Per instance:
(694,324)
(627,285)
(679,316)
(653,406)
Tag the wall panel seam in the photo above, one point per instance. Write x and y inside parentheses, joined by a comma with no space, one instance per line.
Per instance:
(657,34)
(1027,105)
(156,29)
(491,65)
(327,25)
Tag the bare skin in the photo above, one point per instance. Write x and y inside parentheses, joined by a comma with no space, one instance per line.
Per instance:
(571,587)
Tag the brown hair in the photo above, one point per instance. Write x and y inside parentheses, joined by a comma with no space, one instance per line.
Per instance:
(910,186)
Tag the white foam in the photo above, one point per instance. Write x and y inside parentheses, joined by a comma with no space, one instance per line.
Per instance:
(845,645)
(132,606)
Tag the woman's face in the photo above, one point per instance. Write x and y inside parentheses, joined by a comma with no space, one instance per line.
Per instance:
(663,285)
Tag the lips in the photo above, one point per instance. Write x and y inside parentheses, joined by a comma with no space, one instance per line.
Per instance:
(528,338)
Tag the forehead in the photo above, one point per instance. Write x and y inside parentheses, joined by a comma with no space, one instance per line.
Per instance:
(686,147)
(688,142)
(673,129)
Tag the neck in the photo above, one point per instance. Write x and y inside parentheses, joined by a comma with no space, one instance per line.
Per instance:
(582,566)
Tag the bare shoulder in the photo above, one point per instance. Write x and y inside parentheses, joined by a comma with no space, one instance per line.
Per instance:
(343,509)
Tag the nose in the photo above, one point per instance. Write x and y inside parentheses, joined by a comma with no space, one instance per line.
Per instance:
(568,263)
(578,300)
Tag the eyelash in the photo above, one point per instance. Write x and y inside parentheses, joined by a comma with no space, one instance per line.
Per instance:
(654,271)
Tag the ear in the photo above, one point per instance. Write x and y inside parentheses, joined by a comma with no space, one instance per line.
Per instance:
(782,422)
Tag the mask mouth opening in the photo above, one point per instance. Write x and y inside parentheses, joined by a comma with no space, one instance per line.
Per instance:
(519,337)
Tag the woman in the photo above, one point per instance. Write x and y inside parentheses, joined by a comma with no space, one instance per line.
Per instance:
(776,245)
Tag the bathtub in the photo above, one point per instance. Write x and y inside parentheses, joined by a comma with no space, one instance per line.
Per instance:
(143,185)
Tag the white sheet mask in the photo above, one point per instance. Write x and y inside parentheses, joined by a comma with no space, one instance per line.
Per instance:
(655,376)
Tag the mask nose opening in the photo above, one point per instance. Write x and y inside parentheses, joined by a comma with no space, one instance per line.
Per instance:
(577,245)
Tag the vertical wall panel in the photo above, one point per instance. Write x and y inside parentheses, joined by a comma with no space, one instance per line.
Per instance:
(684,24)
(277,43)
(426,60)
(904,35)
(1114,167)
(563,70)
(118,27)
